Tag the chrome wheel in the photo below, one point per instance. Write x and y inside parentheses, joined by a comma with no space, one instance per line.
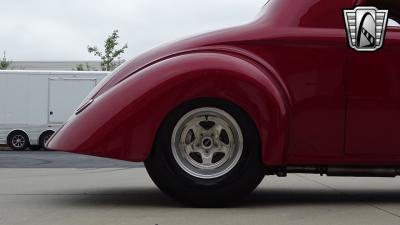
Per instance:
(18,141)
(207,143)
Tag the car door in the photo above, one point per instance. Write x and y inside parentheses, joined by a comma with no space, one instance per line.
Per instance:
(373,98)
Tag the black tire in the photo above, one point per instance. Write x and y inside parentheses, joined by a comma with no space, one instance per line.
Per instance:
(242,179)
(44,137)
(12,141)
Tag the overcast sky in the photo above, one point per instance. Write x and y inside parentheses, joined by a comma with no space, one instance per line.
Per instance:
(62,29)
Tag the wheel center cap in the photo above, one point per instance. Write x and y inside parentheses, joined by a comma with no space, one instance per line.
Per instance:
(207,143)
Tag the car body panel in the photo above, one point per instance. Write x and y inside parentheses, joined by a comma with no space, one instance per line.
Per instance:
(374,100)
(288,70)
(155,91)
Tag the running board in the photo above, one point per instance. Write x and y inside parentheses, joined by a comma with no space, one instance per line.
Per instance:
(337,171)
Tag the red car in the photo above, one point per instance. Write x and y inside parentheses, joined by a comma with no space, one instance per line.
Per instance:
(212,115)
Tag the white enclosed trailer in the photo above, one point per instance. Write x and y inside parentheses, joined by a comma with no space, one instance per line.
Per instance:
(34,104)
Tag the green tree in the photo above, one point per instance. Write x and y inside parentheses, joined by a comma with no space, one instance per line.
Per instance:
(4,63)
(80,67)
(83,67)
(110,58)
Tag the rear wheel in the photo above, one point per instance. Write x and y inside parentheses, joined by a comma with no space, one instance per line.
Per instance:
(18,141)
(44,138)
(206,154)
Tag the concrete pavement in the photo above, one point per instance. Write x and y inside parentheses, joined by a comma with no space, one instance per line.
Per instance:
(126,195)
(52,159)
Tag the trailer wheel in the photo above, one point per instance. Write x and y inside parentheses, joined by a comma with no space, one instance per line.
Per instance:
(44,138)
(18,141)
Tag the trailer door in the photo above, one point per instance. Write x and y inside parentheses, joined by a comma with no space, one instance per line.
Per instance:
(65,94)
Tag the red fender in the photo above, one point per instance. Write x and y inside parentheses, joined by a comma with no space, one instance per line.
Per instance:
(122,122)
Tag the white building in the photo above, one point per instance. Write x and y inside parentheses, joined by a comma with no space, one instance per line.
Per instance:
(54,65)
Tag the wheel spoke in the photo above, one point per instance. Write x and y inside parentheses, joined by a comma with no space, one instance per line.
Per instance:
(189,138)
(224,148)
(217,129)
(199,130)
(189,148)
(207,158)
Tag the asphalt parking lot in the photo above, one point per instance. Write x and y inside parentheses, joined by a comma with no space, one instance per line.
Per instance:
(40,188)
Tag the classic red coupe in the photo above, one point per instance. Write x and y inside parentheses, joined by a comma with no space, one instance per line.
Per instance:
(213,114)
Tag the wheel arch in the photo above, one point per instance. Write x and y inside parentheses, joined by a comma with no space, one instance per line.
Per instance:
(46,131)
(269,114)
(18,130)
(122,123)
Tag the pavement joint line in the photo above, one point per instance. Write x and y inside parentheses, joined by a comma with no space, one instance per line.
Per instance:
(347,195)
